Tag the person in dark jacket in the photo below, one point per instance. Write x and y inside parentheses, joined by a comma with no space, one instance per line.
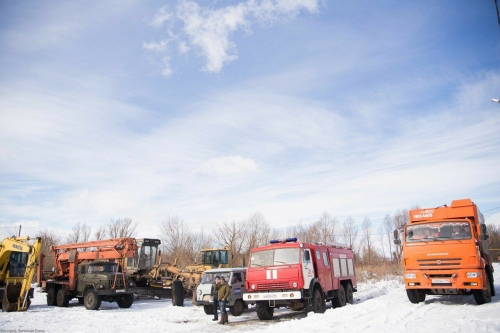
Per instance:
(215,294)
(223,294)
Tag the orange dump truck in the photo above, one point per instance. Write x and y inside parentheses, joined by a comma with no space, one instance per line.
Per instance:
(446,252)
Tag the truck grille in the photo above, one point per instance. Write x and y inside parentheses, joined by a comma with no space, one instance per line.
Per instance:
(437,262)
(119,283)
(273,286)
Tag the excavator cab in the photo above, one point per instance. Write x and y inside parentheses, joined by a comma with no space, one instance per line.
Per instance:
(215,258)
(147,254)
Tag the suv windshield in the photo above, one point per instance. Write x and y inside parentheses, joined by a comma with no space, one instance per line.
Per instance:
(275,257)
(210,277)
(438,231)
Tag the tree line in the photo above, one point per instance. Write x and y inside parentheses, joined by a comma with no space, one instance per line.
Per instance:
(182,244)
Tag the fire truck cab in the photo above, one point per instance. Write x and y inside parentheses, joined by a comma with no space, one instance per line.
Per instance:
(299,276)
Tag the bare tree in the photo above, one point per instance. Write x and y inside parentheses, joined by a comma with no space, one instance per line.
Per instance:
(366,227)
(80,233)
(349,232)
(121,228)
(100,233)
(382,239)
(178,242)
(232,235)
(326,227)
(255,232)
(49,239)
(389,227)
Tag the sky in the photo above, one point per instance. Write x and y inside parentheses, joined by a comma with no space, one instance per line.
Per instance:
(212,111)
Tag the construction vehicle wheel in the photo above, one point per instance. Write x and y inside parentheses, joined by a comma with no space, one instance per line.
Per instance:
(62,299)
(237,309)
(209,309)
(318,302)
(91,300)
(349,297)
(340,300)
(177,294)
(51,297)
(264,311)
(125,301)
(483,296)
(415,295)
(492,280)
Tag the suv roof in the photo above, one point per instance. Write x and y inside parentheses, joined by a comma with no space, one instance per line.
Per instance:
(228,269)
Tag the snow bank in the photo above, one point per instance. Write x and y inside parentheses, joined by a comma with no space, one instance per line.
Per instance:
(378,307)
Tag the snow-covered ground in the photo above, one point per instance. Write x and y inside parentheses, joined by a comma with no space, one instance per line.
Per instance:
(379,307)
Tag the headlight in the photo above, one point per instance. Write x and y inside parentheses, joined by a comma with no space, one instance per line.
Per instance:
(410,275)
(294,284)
(252,286)
(472,275)
(100,286)
(199,291)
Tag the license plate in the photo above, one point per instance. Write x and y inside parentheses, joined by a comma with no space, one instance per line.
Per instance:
(440,280)
(120,290)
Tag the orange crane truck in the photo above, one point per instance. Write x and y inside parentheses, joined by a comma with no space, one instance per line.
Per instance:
(92,272)
(446,252)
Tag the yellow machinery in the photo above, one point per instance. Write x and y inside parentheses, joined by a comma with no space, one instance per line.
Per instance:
(18,262)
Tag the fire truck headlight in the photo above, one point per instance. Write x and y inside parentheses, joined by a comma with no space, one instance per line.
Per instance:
(294,284)
(252,286)
(472,275)
(410,275)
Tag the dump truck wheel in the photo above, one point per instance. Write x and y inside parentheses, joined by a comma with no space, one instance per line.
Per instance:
(237,309)
(415,295)
(492,279)
(92,301)
(264,311)
(62,299)
(125,301)
(483,296)
(349,297)
(51,297)
(340,300)
(177,294)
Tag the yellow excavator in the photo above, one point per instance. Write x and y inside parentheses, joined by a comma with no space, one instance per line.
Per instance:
(18,263)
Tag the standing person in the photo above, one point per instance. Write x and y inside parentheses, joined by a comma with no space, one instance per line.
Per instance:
(215,295)
(223,295)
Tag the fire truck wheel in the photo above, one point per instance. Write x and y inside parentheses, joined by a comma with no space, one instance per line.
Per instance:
(62,299)
(348,293)
(340,300)
(51,297)
(125,301)
(91,300)
(209,309)
(318,302)
(177,294)
(237,309)
(483,296)
(415,295)
(264,311)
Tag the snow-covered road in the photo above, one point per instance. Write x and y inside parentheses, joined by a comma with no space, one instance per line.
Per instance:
(379,307)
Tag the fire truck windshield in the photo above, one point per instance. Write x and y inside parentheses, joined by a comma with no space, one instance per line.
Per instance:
(290,256)
(438,231)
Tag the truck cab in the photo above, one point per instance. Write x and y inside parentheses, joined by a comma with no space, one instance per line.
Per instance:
(235,277)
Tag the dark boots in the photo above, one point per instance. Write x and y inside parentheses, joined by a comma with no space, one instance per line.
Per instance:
(223,318)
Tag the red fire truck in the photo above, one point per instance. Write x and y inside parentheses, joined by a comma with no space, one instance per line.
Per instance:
(299,276)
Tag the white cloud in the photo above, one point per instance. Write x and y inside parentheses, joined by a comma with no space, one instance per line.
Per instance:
(229,165)
(208,31)
(494,219)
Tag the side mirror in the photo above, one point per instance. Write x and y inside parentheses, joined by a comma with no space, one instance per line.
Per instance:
(397,241)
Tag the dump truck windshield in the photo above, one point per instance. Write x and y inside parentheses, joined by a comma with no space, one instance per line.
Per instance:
(275,257)
(438,231)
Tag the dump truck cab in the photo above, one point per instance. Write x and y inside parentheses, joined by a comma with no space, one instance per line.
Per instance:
(446,252)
